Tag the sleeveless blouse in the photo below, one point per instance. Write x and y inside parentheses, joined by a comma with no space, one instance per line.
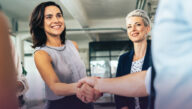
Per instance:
(67,65)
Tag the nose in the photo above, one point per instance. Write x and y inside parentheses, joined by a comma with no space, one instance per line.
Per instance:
(133,28)
(55,19)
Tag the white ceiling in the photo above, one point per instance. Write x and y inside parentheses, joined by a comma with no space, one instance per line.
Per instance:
(21,9)
(107,9)
(104,18)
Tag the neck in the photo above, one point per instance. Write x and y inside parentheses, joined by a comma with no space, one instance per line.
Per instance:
(140,49)
(54,41)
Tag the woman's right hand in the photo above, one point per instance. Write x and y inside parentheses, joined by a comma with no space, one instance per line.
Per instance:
(86,92)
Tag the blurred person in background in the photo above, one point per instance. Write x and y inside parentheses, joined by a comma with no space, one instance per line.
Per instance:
(21,84)
(7,68)
(138,26)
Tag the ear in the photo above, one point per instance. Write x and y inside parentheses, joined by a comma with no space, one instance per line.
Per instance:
(148,29)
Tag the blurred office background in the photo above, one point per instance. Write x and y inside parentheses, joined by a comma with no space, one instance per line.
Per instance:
(98,27)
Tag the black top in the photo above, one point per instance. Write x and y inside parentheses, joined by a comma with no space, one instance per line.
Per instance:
(124,68)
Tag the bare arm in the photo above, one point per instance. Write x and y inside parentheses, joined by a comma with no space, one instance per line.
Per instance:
(131,85)
(43,64)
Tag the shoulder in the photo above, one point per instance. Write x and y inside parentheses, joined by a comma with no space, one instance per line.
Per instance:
(41,54)
(74,43)
(148,49)
(126,55)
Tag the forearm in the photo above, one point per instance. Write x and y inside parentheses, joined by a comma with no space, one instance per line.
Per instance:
(132,85)
(63,89)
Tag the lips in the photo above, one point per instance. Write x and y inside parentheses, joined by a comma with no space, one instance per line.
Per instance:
(135,34)
(56,26)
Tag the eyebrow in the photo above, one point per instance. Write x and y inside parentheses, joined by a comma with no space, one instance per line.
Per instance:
(48,15)
(59,13)
(137,22)
(134,23)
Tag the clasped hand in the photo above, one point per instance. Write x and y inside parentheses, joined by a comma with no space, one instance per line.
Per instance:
(87,90)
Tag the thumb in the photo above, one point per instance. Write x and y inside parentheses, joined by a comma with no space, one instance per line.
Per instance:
(80,83)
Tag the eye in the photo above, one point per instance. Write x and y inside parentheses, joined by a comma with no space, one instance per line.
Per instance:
(129,27)
(138,24)
(59,15)
(48,17)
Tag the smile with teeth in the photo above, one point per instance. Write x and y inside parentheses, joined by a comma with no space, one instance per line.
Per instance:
(134,34)
(56,26)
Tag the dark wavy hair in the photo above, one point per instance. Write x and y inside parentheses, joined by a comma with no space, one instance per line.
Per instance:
(36,25)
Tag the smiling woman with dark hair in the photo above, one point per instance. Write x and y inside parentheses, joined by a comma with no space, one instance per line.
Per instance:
(57,59)
(37,23)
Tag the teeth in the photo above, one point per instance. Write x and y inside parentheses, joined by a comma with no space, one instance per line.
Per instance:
(135,34)
(56,27)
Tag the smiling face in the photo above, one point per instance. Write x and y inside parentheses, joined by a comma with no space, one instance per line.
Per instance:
(53,21)
(136,29)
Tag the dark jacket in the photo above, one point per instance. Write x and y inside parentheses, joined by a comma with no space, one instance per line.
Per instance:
(124,68)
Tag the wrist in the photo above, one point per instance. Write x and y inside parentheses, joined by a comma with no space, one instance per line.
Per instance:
(75,89)
(97,84)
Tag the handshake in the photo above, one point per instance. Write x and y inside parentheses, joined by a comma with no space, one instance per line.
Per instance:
(87,89)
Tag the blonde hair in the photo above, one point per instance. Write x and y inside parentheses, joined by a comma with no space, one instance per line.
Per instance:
(139,13)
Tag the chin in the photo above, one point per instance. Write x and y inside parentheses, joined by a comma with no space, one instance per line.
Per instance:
(134,40)
(57,33)
(138,41)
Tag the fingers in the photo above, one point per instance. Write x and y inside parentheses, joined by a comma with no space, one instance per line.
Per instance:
(86,91)
(91,94)
(97,94)
(80,83)
(81,94)
(78,94)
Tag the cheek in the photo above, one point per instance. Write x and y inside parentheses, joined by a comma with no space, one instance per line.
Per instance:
(46,24)
(61,20)
(45,27)
(63,25)
(128,33)
(143,30)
